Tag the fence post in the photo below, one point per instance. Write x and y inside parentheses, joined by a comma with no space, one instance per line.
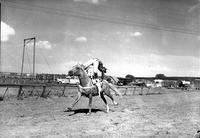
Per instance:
(134,90)
(43,92)
(126,89)
(19,93)
(63,93)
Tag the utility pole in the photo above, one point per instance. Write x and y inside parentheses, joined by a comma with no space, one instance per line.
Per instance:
(26,41)
(23,59)
(0,43)
(34,56)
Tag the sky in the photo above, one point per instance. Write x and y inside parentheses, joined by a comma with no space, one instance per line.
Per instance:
(138,37)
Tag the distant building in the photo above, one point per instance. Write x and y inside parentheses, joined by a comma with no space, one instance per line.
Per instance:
(197,84)
(158,82)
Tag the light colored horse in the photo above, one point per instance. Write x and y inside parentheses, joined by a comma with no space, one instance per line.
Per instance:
(88,89)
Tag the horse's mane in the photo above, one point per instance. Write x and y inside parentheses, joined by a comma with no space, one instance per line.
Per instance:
(80,66)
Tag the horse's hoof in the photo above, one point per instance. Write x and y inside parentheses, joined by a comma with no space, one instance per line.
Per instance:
(68,109)
(89,113)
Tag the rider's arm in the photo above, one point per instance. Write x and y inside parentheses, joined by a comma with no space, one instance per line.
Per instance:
(89,63)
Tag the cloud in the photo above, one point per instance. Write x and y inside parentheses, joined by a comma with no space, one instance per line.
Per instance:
(6,31)
(96,2)
(151,64)
(42,44)
(81,39)
(136,34)
(70,63)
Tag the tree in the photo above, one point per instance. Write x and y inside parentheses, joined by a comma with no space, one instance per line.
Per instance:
(130,77)
(160,76)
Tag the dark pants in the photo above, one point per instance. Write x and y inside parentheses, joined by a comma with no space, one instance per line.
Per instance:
(102,69)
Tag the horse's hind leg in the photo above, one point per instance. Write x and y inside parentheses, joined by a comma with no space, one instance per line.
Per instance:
(104,99)
(76,100)
(111,97)
(90,103)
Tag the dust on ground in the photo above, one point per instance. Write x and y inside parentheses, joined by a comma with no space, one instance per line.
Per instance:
(171,115)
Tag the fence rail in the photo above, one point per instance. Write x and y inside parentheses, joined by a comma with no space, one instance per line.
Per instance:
(42,85)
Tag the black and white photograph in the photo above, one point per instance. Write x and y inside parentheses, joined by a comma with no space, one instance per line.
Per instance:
(100,69)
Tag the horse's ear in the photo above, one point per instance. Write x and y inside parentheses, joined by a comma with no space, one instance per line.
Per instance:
(82,66)
(79,64)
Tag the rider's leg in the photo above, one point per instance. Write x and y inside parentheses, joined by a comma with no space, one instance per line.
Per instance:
(98,84)
(99,87)
(102,76)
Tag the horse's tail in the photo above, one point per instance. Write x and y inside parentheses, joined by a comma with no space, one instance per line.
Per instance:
(114,89)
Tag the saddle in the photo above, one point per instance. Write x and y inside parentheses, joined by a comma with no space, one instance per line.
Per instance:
(96,84)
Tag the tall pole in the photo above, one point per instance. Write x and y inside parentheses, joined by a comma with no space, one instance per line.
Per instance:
(0,43)
(23,57)
(34,57)
(26,41)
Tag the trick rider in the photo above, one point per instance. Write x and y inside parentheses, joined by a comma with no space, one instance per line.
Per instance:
(92,67)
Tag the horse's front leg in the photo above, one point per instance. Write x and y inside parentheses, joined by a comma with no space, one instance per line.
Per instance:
(90,103)
(76,101)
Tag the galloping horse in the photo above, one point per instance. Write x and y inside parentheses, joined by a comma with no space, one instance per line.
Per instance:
(88,89)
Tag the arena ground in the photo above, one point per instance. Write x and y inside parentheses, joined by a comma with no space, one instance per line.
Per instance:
(172,115)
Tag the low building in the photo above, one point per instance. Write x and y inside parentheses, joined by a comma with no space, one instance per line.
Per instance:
(158,82)
(197,84)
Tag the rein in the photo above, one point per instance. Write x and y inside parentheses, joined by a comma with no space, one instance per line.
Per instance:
(87,87)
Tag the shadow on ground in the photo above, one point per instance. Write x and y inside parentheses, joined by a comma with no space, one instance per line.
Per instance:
(83,110)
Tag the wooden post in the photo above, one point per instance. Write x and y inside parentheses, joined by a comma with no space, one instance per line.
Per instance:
(33,88)
(134,90)
(148,90)
(43,92)
(1,98)
(19,93)
(63,93)
(126,89)
(141,91)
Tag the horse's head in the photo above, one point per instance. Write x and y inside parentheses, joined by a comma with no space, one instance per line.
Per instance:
(77,70)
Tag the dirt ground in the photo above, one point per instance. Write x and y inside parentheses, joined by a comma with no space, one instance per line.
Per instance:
(169,115)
